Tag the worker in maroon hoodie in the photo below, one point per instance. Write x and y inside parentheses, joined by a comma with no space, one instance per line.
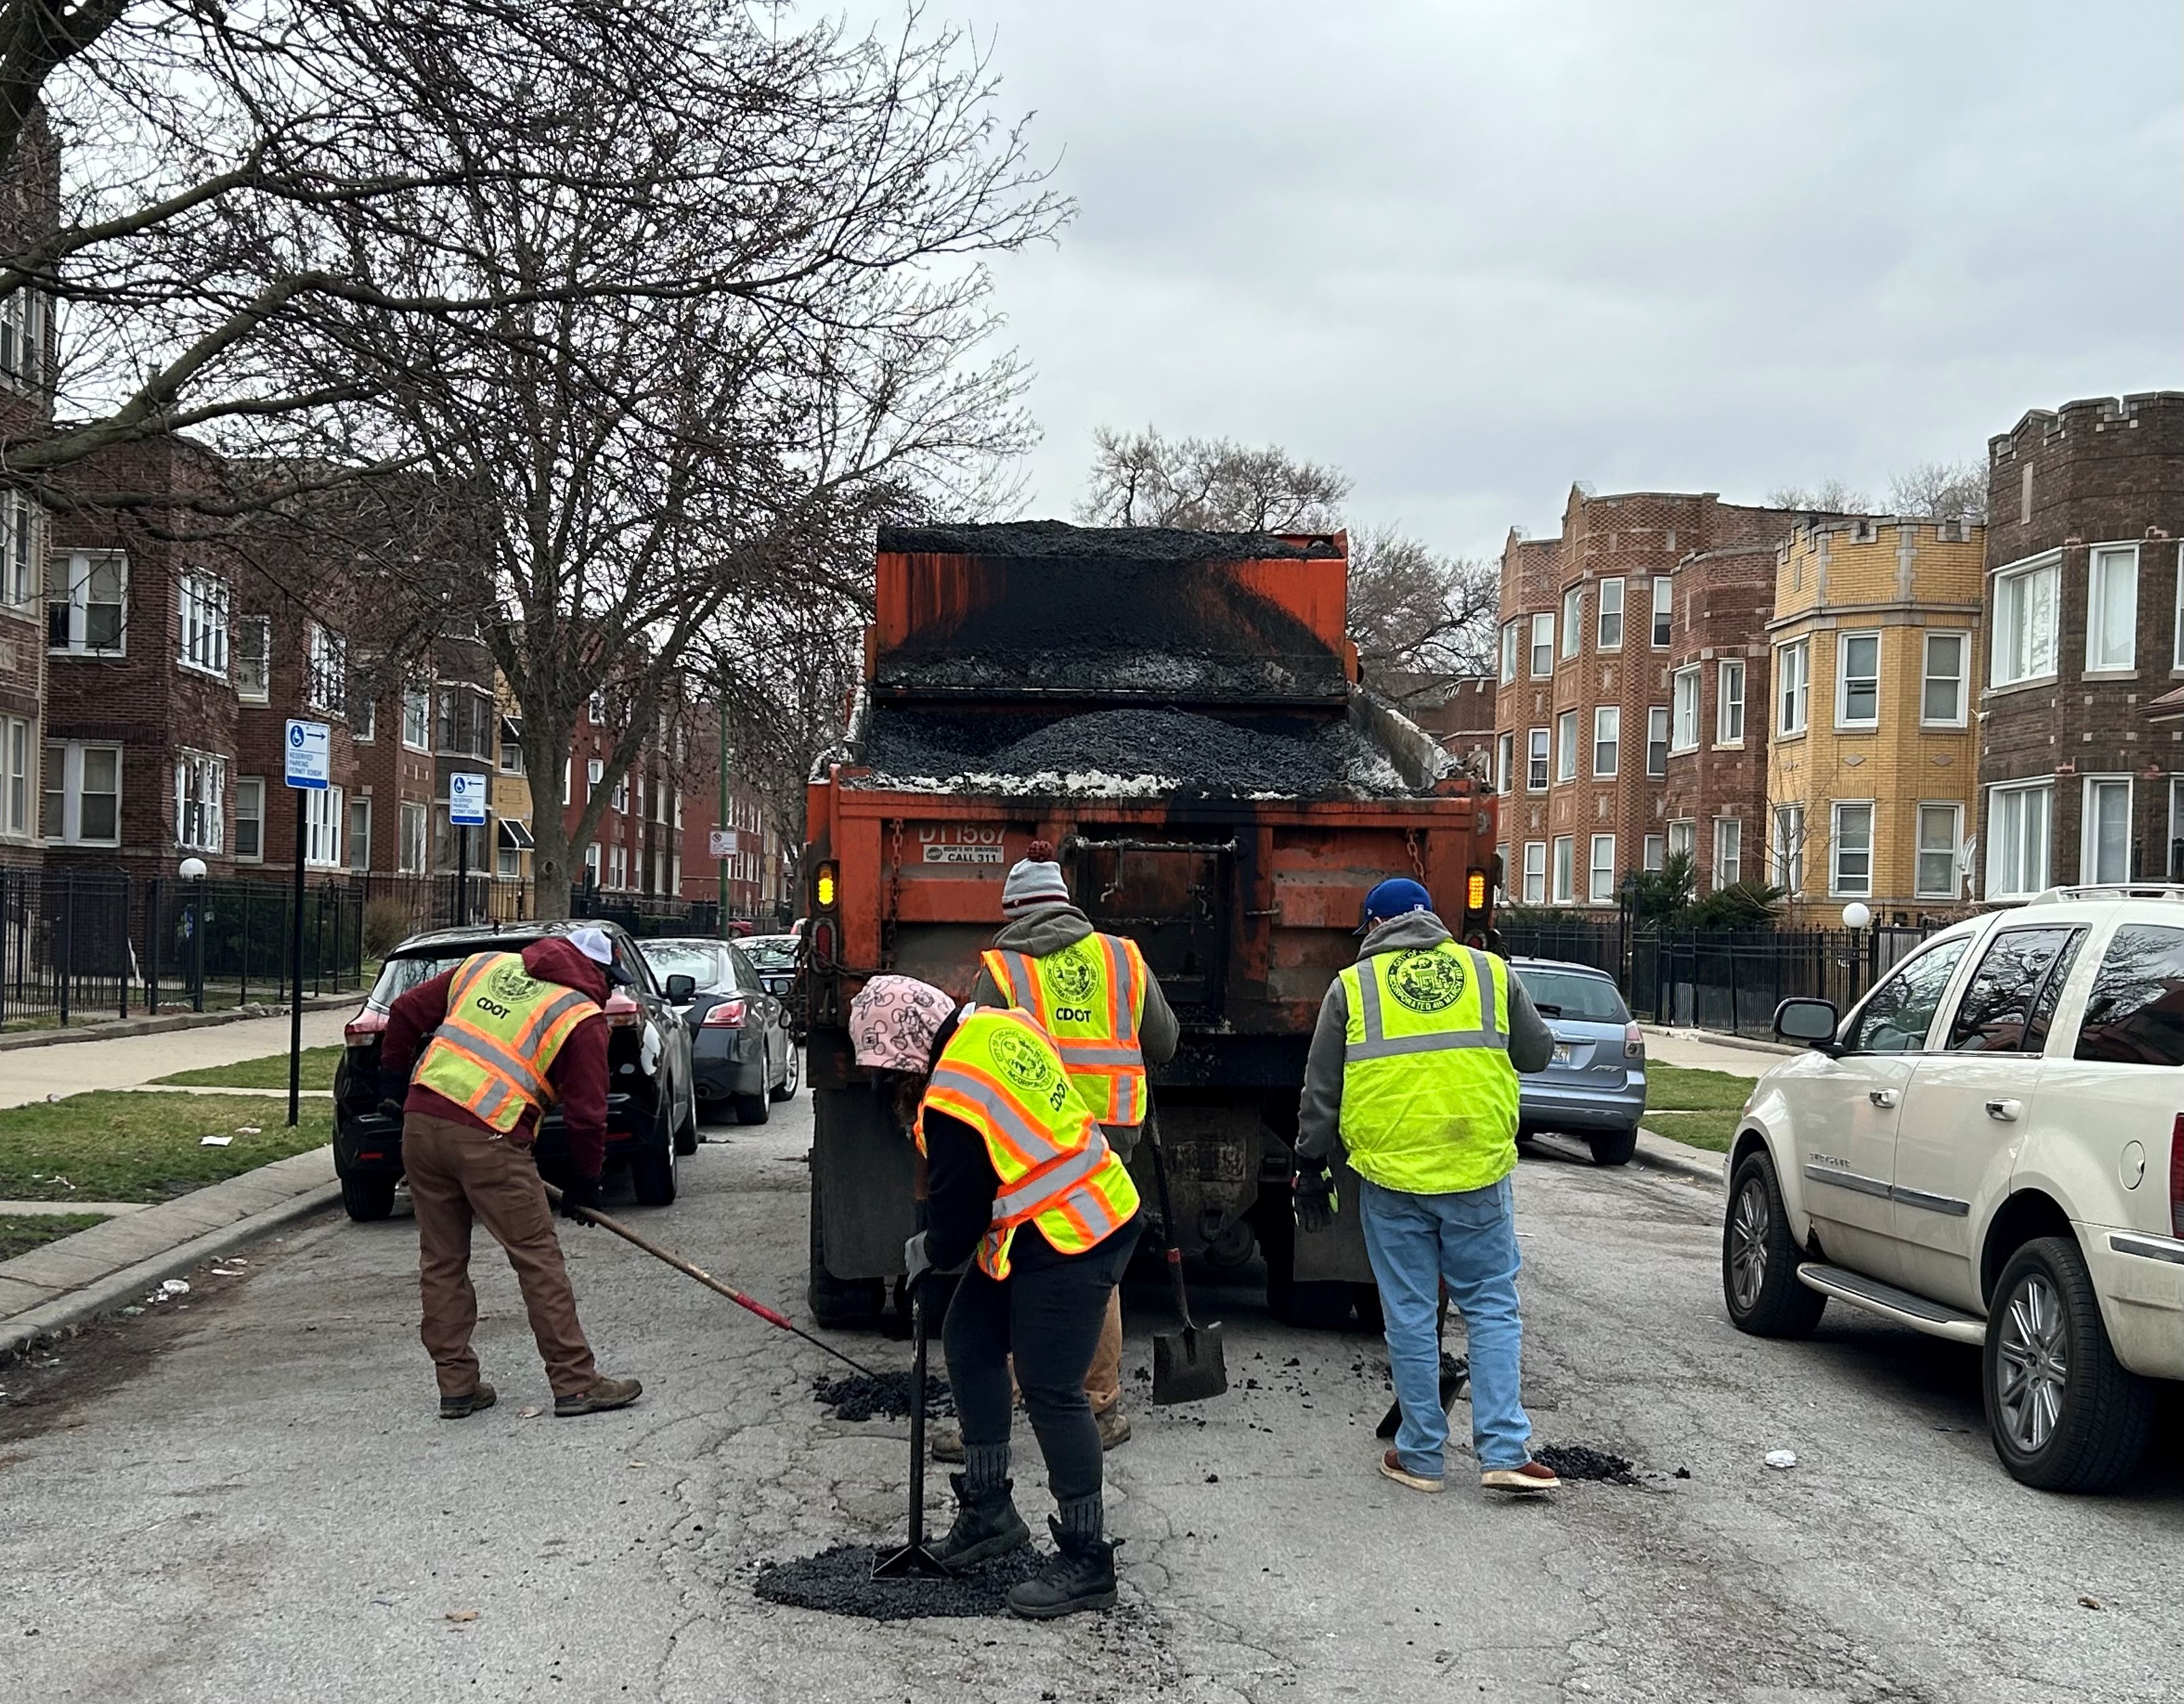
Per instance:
(504,1036)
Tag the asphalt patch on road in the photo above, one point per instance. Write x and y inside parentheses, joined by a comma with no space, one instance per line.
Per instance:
(1582,1461)
(839,1581)
(856,1397)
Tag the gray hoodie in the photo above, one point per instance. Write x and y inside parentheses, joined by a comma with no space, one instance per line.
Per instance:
(1049,929)
(1319,1111)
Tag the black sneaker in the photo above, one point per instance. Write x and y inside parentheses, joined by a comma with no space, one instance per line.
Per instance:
(1080,1575)
(459,1407)
(986,1527)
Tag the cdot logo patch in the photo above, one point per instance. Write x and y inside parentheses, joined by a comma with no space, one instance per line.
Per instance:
(1071,972)
(510,984)
(1020,1059)
(1427,980)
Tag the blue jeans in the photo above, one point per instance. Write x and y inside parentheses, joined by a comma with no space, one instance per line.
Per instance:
(1468,1242)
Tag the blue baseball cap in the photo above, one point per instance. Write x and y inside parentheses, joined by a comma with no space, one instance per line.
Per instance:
(1393,898)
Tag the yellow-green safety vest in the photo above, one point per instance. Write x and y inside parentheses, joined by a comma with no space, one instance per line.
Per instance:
(1089,997)
(1428,1094)
(492,1051)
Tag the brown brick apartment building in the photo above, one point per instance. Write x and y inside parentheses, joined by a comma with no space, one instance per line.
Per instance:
(2082,752)
(1714,799)
(27,206)
(1594,624)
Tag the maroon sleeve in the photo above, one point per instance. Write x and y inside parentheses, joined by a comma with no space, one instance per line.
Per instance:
(579,1077)
(409,1020)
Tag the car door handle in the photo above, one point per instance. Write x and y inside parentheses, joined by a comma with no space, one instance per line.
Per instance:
(1881,1097)
(2004,1111)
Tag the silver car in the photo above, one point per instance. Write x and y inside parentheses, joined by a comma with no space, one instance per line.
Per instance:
(1595,1088)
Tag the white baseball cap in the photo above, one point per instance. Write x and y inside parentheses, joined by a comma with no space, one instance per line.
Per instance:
(593,945)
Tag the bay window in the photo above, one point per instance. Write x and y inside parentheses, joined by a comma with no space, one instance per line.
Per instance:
(1536,761)
(1564,850)
(1851,866)
(1573,621)
(1858,680)
(1607,741)
(1657,741)
(1786,855)
(2112,607)
(1665,603)
(1940,835)
(82,793)
(200,788)
(1566,746)
(1542,660)
(203,601)
(1729,705)
(86,592)
(1536,873)
(1792,679)
(326,676)
(253,658)
(323,812)
(250,818)
(1600,873)
(2017,831)
(1941,700)
(1684,694)
(1727,851)
(1610,637)
(2104,854)
(2026,597)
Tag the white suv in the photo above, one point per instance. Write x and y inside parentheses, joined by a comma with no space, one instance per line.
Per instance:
(1991,1148)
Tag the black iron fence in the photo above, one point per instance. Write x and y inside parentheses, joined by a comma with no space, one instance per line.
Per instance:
(397,906)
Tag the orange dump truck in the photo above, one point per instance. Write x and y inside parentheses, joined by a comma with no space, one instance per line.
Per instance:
(1180,715)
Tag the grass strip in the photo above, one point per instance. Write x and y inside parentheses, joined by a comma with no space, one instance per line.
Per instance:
(270,1072)
(111,1146)
(1709,1130)
(20,1232)
(1679,1088)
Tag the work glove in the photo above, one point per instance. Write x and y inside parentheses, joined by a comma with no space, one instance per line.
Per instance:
(1313,1194)
(917,1262)
(391,1109)
(582,1193)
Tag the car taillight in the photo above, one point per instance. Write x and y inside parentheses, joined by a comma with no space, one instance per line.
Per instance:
(2176,1178)
(1634,1041)
(622,1011)
(727,1015)
(365,1026)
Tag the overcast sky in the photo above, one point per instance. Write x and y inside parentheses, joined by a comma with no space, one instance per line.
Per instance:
(1471,251)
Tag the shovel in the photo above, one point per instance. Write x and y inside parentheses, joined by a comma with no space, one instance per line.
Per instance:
(1188,1365)
(913,1561)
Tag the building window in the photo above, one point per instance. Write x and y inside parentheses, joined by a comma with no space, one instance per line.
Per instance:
(619,798)
(1787,854)
(23,318)
(1505,760)
(1858,680)
(19,549)
(85,594)
(1657,741)
(417,718)
(17,737)
(1940,839)
(1727,851)
(416,825)
(2176,861)
(1664,606)
(200,785)
(1573,621)
(1683,839)
(465,724)
(617,867)
(2017,828)
(364,721)
(1566,746)
(511,746)
(253,658)
(1542,660)
(1656,851)
(204,622)
(83,795)
(323,812)
(508,857)
(1729,705)
(326,682)
(250,819)
(2105,853)
(1685,694)
(593,772)
(1600,874)
(1510,637)
(1565,848)
(1792,676)
(1850,872)
(359,836)
(1941,701)
(1535,764)
(2112,607)
(1536,873)
(1607,741)
(1611,616)
(2024,619)
(595,707)
(592,864)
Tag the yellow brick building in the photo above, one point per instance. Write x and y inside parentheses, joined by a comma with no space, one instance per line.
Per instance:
(512,790)
(1873,745)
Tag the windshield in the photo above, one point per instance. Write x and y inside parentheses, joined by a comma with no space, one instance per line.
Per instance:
(770,952)
(1569,995)
(704,964)
(397,976)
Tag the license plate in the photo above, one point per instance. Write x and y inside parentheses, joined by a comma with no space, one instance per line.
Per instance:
(1561,1054)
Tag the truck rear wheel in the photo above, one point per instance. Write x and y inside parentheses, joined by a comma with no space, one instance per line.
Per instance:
(835,1301)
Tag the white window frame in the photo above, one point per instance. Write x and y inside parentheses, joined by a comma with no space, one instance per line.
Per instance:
(1683,837)
(1536,873)
(1656,742)
(592,864)
(1505,761)
(1565,873)
(326,818)
(1793,686)
(1512,642)
(1609,610)
(1683,717)
(24,317)
(326,673)
(1573,621)
(72,753)
(1787,848)
(1566,746)
(413,846)
(417,716)
(1844,718)
(75,568)
(2007,618)
(2111,572)
(2027,878)
(200,799)
(1728,867)
(1664,611)
(250,808)
(202,610)
(19,777)
(1928,677)
(1920,851)
(1837,887)
(1539,759)
(1729,702)
(2088,830)
(595,771)
(360,845)
(1600,872)
(1655,852)
(1607,737)
(1542,648)
(22,531)
(253,658)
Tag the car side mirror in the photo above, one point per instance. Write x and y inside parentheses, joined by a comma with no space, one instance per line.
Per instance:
(1810,1022)
(681,990)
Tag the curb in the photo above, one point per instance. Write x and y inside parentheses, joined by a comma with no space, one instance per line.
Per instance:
(121,1028)
(1714,1037)
(1702,1165)
(26,1330)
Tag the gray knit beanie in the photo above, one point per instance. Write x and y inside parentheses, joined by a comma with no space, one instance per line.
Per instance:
(1033,881)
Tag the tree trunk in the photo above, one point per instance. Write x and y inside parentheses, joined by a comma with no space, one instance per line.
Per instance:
(555,858)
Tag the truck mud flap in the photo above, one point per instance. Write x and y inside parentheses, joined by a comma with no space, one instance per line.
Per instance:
(865,1167)
(1336,1255)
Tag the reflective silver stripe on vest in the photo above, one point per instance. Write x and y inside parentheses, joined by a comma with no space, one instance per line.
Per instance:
(1031,1139)
(1025,988)
(1096,1052)
(1118,988)
(521,1070)
(1377,1043)
(1014,1203)
(559,1009)
(496,1096)
(1487,1017)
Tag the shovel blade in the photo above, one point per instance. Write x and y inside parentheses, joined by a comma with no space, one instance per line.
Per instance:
(1188,1364)
(912,1561)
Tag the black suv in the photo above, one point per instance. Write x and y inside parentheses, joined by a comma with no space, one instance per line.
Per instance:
(652,1115)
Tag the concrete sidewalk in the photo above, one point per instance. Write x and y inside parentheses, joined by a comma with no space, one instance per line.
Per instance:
(1702,1049)
(109,1266)
(127,1061)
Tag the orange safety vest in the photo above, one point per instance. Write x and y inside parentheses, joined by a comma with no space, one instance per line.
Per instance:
(1001,1075)
(1090,998)
(503,1028)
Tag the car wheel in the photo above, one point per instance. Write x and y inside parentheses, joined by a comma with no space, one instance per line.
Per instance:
(2066,1415)
(1613,1147)
(752,1109)
(792,1076)
(686,1133)
(368,1196)
(835,1301)
(652,1168)
(1759,1259)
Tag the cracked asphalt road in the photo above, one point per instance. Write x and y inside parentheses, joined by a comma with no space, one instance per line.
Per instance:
(252,1499)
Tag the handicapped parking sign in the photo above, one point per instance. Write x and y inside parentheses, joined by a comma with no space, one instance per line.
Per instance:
(310,755)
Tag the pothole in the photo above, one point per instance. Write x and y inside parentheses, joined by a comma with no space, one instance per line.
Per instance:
(1582,1461)
(839,1581)
(854,1396)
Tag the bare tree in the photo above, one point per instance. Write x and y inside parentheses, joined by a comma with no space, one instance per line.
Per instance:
(1417,618)
(1941,491)
(1207,484)
(1829,497)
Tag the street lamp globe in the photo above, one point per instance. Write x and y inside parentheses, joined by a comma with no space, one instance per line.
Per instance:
(193,868)
(1856,915)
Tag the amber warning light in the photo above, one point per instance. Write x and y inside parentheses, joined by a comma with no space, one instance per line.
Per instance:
(1475,892)
(824,887)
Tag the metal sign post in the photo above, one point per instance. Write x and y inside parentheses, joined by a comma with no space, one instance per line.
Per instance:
(308,768)
(466,795)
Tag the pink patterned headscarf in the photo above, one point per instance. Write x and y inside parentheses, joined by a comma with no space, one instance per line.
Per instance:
(893,1021)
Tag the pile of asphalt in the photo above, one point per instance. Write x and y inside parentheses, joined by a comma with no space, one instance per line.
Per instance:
(1030,540)
(839,1581)
(855,1397)
(1582,1462)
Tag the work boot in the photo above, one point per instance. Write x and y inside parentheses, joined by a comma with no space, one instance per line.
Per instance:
(1079,1575)
(987,1525)
(605,1393)
(457,1407)
(1114,1427)
(1392,1467)
(1529,1480)
(944,1440)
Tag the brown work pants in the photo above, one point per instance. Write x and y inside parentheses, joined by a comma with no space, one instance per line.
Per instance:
(458,1175)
